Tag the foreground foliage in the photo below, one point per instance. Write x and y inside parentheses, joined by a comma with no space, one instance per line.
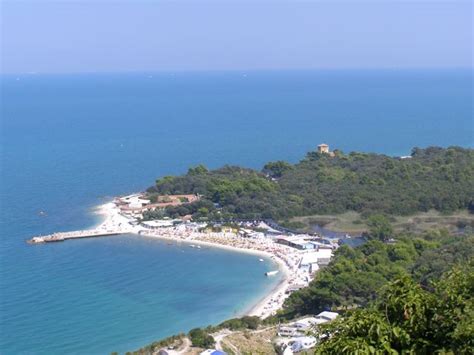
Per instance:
(407,318)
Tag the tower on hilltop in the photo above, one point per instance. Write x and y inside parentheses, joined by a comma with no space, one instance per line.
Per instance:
(323,148)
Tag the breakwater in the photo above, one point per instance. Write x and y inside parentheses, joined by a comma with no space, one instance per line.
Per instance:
(59,237)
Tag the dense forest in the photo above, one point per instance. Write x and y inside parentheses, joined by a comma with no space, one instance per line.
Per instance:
(432,178)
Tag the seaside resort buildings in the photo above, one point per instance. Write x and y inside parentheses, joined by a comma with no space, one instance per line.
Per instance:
(135,205)
(297,336)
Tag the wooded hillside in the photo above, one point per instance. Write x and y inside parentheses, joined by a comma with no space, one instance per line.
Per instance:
(433,178)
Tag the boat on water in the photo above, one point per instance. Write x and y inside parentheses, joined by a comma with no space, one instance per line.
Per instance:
(260,260)
(271,273)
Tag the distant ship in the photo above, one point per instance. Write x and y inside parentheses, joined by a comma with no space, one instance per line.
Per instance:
(271,273)
(260,260)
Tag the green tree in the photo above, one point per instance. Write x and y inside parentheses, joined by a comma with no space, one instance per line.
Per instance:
(379,228)
(276,169)
(251,322)
(202,212)
(198,170)
(201,339)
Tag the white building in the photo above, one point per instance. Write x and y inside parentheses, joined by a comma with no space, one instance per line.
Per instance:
(325,317)
(303,343)
(297,328)
(319,257)
(287,331)
(160,223)
(137,202)
(305,324)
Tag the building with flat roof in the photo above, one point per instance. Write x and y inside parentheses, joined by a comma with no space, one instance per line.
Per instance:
(325,317)
(297,242)
(323,148)
(303,343)
(314,259)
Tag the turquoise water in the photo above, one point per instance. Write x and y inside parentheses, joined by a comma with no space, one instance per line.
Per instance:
(72,142)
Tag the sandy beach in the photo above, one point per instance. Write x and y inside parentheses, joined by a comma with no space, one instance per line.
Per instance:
(112,219)
(274,300)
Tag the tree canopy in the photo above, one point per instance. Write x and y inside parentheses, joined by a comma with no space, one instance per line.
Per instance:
(379,228)
(433,178)
(201,338)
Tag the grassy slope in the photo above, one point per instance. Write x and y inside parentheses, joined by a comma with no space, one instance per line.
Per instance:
(351,222)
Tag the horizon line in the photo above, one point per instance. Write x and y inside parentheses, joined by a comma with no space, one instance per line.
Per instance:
(236,70)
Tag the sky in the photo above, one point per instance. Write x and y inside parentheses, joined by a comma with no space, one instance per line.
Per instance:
(135,35)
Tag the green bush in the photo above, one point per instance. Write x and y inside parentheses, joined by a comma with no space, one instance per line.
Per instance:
(201,339)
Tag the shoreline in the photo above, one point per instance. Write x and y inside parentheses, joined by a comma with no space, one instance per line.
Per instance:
(259,308)
(264,307)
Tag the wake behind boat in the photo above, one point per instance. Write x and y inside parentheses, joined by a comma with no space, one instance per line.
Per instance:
(271,273)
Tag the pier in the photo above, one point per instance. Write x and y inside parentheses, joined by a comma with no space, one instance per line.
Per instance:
(59,237)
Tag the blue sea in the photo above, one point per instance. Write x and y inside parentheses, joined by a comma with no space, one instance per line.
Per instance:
(71,142)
